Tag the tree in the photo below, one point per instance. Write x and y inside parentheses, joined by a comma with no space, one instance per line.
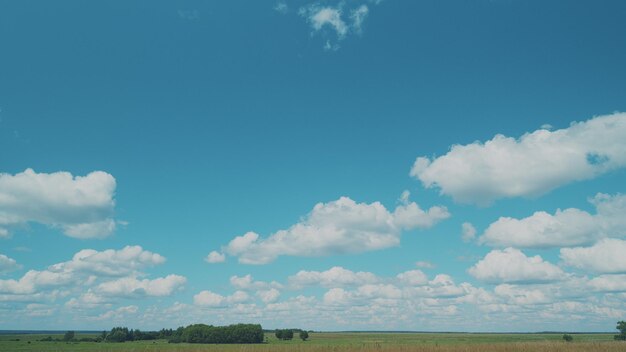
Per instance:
(621,326)
(304,335)
(284,334)
(568,338)
(69,336)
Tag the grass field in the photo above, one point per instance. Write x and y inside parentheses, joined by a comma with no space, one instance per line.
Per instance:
(322,342)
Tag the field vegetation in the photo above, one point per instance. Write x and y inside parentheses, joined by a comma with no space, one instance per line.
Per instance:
(336,342)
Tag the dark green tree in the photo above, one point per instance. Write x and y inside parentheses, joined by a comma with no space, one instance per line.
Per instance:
(279,334)
(304,335)
(568,338)
(69,336)
(621,326)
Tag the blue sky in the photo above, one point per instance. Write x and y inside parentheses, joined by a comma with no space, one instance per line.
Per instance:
(331,165)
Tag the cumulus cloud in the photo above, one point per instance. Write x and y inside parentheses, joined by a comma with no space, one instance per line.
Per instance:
(7,264)
(34,281)
(518,295)
(531,165)
(569,227)
(337,227)
(89,275)
(268,296)
(215,257)
(110,262)
(512,266)
(246,282)
(211,299)
(135,288)
(609,283)
(81,206)
(607,257)
(413,278)
(333,277)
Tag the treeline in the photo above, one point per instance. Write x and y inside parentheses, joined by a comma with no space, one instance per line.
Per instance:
(195,333)
(201,333)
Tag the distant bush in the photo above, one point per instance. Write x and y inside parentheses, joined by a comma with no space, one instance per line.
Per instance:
(304,335)
(284,334)
(69,336)
(621,326)
(568,338)
(201,333)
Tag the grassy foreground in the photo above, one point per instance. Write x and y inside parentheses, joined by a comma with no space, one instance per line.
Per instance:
(339,342)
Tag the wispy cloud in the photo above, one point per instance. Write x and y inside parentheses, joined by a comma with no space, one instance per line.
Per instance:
(281,7)
(335,21)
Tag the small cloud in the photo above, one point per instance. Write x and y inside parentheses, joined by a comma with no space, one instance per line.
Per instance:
(7,264)
(468,232)
(281,7)
(358,16)
(189,15)
(404,197)
(425,265)
(215,257)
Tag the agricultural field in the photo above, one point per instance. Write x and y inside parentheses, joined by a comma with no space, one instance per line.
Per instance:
(339,342)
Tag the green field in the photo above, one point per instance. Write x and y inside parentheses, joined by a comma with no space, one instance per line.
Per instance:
(342,342)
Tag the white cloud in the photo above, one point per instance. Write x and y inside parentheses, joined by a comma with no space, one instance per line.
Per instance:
(320,17)
(333,277)
(609,283)
(424,264)
(512,266)
(110,262)
(88,277)
(413,278)
(281,7)
(7,264)
(133,287)
(569,227)
(338,227)
(118,314)
(607,256)
(215,257)
(211,299)
(442,286)
(532,165)
(468,232)
(81,206)
(358,16)
(268,296)
(518,295)
(208,299)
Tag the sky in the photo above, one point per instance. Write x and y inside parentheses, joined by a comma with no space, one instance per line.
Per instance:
(330,165)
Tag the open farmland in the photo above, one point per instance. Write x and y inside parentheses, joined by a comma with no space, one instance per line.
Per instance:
(343,342)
